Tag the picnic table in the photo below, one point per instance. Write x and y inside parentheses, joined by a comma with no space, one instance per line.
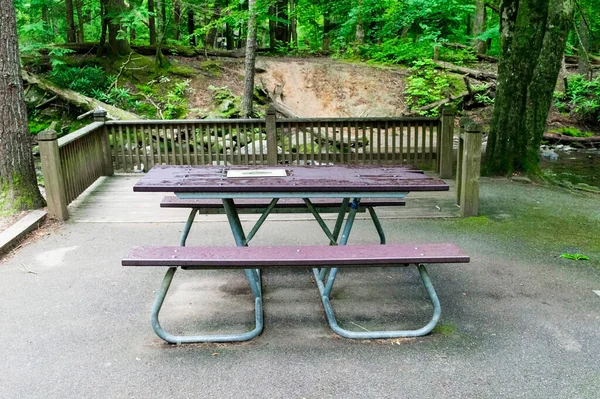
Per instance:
(347,184)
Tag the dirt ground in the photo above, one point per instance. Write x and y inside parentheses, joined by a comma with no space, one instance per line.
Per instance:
(314,87)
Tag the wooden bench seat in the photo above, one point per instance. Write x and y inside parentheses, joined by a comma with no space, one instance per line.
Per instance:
(324,260)
(295,256)
(284,203)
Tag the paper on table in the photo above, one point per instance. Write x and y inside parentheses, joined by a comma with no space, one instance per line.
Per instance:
(257,173)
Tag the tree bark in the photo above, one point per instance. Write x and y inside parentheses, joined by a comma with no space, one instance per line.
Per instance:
(279,31)
(327,29)
(80,30)
(117,45)
(18,183)
(71,31)
(152,23)
(77,99)
(177,18)
(191,27)
(474,73)
(250,61)
(103,27)
(583,49)
(479,20)
(293,23)
(533,35)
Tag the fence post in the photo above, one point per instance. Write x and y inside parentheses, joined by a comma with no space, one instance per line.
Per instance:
(53,177)
(107,164)
(445,145)
(469,198)
(459,156)
(271,126)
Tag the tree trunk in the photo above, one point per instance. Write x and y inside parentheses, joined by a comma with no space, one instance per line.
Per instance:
(80,32)
(278,30)
(191,27)
(360,30)
(293,23)
(79,100)
(479,20)
(583,49)
(161,60)
(177,18)
(228,32)
(103,27)
(533,35)
(71,32)
(327,28)
(152,23)
(117,45)
(18,184)
(250,60)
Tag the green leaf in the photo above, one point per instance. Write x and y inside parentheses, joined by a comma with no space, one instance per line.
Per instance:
(574,256)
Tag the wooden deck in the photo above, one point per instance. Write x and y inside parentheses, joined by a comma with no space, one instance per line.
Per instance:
(112,200)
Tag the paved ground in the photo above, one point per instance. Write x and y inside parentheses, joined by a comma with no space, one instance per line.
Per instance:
(517,322)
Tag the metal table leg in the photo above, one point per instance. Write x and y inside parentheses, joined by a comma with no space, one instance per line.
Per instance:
(325,279)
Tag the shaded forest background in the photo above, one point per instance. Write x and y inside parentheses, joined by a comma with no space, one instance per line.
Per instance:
(108,36)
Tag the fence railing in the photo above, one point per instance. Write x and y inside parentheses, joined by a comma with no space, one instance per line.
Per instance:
(139,145)
(72,163)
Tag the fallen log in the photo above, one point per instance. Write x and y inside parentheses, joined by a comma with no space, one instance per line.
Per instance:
(183,51)
(464,94)
(573,59)
(473,73)
(481,57)
(276,101)
(556,138)
(77,99)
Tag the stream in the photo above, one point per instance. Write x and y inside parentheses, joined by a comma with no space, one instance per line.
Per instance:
(574,166)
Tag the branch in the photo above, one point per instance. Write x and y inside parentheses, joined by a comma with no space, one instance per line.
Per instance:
(474,73)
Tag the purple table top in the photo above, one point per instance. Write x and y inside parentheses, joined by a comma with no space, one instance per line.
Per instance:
(348,179)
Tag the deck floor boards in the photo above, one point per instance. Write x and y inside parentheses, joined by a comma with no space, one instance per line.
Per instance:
(112,200)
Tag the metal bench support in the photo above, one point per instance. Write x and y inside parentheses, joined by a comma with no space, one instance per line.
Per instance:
(323,285)
(179,339)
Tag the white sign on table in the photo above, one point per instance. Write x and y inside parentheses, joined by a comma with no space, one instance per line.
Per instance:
(257,173)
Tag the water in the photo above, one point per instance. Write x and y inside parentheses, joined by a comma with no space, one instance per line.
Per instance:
(581,166)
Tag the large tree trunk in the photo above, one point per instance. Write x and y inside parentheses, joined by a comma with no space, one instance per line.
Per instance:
(18,184)
(191,27)
(479,20)
(71,32)
(250,61)
(117,45)
(533,35)
(152,22)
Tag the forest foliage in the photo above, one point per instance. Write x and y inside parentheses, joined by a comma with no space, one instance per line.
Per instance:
(402,32)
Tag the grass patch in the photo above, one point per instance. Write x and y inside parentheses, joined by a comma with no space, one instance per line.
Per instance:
(572,132)
(445,329)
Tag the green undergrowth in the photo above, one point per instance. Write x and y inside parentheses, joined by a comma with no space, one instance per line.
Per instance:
(572,131)
(427,84)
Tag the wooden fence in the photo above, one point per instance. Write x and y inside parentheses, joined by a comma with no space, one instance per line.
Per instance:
(72,163)
(139,145)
